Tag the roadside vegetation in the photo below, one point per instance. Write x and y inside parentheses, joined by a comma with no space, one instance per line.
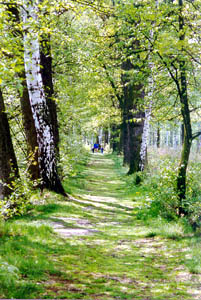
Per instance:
(114,238)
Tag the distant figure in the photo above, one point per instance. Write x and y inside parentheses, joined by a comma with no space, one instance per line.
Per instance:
(96,147)
(92,150)
(102,149)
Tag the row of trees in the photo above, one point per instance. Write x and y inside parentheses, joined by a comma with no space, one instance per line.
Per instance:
(109,64)
(32,64)
(158,43)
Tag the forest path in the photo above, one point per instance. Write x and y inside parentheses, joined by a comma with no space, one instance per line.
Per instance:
(108,253)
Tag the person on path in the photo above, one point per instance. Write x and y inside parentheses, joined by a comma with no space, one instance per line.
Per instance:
(96,146)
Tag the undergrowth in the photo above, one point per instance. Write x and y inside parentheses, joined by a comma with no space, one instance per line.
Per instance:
(157,186)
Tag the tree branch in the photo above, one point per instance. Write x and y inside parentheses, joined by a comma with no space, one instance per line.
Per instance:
(193,58)
(113,85)
(196,134)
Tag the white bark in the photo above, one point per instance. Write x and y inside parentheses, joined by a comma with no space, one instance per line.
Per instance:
(198,144)
(47,160)
(167,138)
(109,137)
(143,149)
(100,136)
(175,139)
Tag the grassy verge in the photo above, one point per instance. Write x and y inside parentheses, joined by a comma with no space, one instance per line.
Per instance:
(95,246)
(154,202)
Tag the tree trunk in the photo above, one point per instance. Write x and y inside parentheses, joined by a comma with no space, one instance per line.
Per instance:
(30,132)
(135,143)
(198,144)
(181,178)
(8,163)
(133,120)
(46,72)
(125,139)
(158,137)
(114,138)
(40,109)
(171,137)
(167,138)
(182,134)
(143,150)
(106,137)
(28,122)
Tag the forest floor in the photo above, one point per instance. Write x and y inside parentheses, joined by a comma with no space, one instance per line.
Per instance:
(93,246)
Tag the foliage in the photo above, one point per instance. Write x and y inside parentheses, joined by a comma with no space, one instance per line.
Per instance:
(73,154)
(160,198)
(20,199)
(192,203)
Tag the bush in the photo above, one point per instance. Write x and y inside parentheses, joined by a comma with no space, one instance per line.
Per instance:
(135,179)
(192,203)
(19,201)
(161,198)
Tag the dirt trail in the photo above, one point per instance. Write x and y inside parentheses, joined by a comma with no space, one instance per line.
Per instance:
(113,256)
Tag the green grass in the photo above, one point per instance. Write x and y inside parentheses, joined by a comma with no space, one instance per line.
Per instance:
(126,257)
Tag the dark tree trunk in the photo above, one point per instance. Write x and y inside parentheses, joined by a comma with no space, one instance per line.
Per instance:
(133,119)
(158,137)
(181,178)
(8,163)
(46,72)
(127,105)
(125,139)
(106,136)
(153,138)
(186,147)
(135,140)
(182,134)
(114,138)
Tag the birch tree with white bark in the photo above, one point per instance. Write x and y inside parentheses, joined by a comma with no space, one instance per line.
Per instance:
(40,110)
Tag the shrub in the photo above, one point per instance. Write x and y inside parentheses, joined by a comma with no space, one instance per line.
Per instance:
(161,199)
(135,179)
(19,201)
(192,203)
